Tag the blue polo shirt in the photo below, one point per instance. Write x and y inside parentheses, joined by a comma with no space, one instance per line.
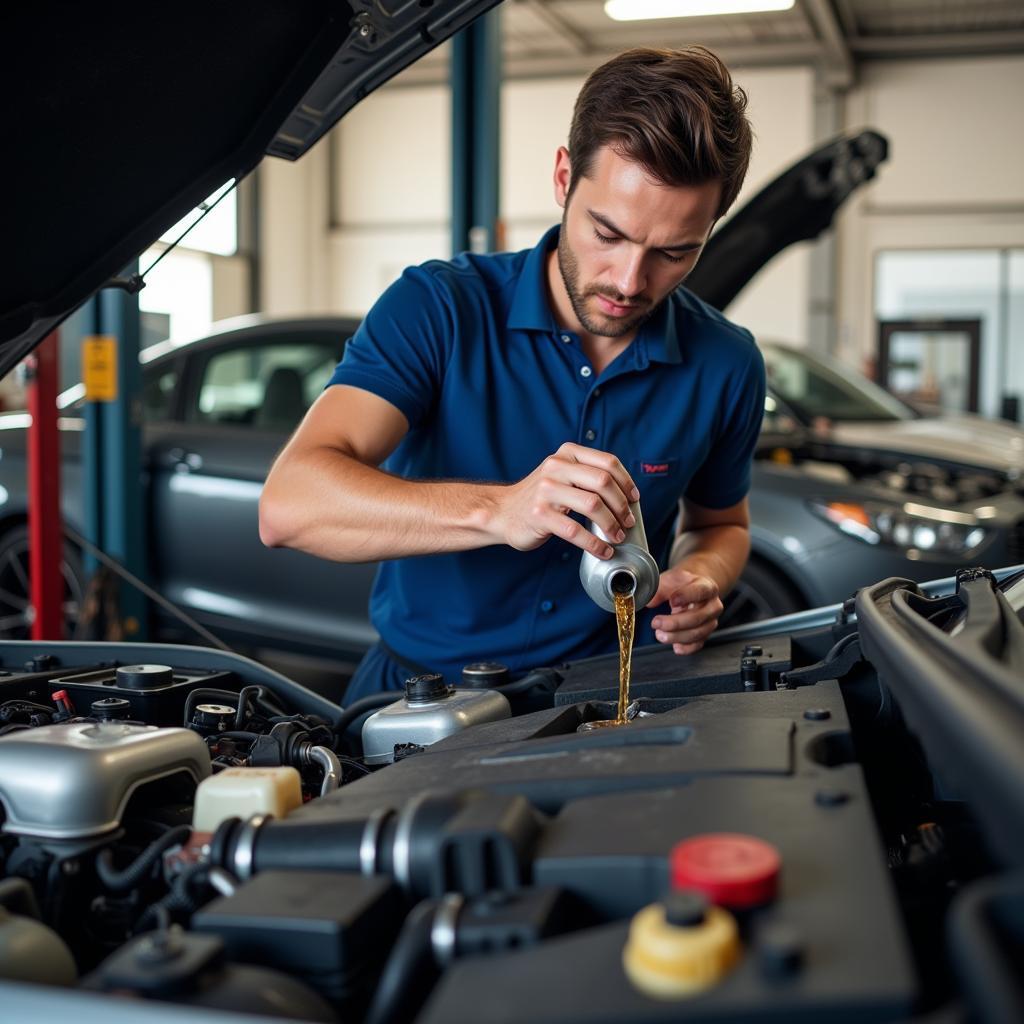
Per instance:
(470,352)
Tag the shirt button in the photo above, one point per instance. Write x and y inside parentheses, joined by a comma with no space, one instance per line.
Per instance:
(547,606)
(597,392)
(585,371)
(566,555)
(590,435)
(566,338)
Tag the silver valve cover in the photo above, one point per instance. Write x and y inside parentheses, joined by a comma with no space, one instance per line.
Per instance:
(73,781)
(426,722)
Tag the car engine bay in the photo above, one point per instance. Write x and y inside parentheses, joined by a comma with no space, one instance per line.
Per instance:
(815,818)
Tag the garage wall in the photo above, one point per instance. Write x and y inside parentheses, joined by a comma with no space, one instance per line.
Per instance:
(383,180)
(953,180)
(536,116)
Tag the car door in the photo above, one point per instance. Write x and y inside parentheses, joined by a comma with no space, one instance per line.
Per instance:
(242,398)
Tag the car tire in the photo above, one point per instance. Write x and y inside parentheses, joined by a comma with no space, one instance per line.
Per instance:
(761,592)
(16,611)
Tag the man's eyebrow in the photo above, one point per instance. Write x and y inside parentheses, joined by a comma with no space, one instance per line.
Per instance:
(605,222)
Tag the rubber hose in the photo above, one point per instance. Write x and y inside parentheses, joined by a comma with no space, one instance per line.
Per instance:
(410,971)
(128,878)
(309,846)
(370,702)
(243,704)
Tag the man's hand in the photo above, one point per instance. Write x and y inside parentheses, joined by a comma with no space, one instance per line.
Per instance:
(574,479)
(694,607)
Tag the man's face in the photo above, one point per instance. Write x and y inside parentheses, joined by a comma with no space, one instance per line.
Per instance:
(627,241)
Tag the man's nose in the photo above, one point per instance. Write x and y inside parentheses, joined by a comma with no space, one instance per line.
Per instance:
(629,275)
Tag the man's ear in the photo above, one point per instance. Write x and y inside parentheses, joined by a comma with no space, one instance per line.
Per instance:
(562,176)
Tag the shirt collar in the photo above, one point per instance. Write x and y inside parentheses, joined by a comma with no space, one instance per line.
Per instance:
(658,340)
(530,309)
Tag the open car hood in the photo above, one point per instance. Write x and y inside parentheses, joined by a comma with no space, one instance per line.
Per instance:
(797,206)
(132,115)
(129,115)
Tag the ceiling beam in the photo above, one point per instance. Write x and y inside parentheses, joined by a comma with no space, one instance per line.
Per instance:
(561,28)
(939,44)
(838,67)
(848,17)
(555,65)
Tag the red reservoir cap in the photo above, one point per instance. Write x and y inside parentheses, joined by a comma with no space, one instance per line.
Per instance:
(731,869)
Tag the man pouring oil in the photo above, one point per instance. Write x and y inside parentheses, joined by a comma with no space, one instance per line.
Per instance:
(489,405)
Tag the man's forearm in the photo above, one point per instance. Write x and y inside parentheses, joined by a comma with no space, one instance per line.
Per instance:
(718,552)
(330,504)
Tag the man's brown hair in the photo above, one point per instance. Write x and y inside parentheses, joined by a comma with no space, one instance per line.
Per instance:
(675,112)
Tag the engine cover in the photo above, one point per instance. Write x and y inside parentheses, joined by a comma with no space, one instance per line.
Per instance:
(73,781)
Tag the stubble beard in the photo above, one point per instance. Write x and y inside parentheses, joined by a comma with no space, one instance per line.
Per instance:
(598,324)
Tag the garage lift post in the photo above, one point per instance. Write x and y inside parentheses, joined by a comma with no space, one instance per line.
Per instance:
(476,128)
(112,447)
(46,589)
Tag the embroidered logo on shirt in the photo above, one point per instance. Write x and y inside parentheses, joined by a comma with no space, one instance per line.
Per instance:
(654,468)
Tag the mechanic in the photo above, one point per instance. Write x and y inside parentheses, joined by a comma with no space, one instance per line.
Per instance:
(488,406)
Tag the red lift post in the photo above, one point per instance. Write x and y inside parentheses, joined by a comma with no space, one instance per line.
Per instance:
(44,521)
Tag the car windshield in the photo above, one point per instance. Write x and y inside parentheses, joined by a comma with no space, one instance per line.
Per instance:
(812,387)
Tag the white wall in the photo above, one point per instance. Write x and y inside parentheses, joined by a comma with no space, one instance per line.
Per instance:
(953,178)
(391,193)
(535,122)
(776,304)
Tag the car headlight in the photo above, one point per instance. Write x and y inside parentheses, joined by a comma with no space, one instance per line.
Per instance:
(912,527)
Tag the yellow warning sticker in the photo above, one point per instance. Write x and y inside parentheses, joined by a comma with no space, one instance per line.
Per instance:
(99,367)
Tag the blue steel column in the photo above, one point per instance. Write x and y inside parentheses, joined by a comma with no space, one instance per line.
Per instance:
(92,458)
(123,503)
(476,129)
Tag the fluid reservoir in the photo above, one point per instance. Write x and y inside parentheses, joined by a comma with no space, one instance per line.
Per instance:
(680,947)
(243,792)
(429,712)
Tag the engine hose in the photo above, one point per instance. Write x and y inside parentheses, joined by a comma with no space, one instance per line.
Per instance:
(539,678)
(181,898)
(243,706)
(370,702)
(128,878)
(327,760)
(410,971)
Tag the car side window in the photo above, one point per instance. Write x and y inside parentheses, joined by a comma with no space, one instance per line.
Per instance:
(267,387)
(158,388)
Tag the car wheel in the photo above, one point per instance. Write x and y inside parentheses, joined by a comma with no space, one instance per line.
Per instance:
(16,610)
(759,593)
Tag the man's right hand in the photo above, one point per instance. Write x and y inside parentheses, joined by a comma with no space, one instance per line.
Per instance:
(575,479)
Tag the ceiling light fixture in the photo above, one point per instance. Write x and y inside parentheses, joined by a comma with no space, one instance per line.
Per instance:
(643,10)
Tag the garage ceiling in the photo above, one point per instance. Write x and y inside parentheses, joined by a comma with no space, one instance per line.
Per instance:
(570,37)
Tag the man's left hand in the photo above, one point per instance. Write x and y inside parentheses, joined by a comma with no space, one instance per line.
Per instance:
(694,607)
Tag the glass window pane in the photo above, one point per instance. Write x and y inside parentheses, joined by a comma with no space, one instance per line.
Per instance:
(158,393)
(268,387)
(180,288)
(954,284)
(813,388)
(217,232)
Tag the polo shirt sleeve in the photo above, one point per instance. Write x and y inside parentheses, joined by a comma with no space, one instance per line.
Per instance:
(400,349)
(723,479)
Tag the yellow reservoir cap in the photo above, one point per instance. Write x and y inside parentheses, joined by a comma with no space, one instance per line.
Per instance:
(243,792)
(669,961)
